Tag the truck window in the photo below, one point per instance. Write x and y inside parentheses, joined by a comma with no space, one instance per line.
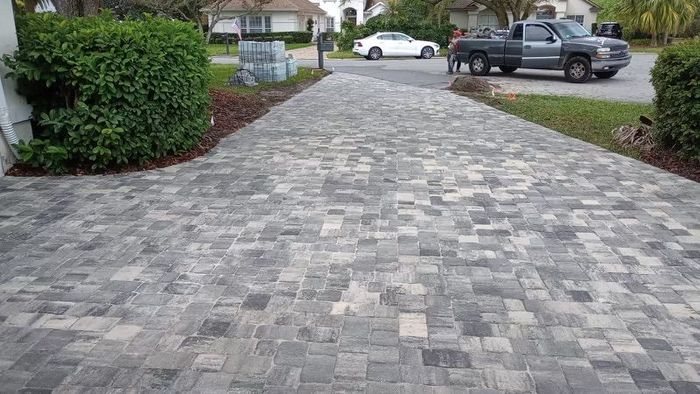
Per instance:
(518,32)
(536,33)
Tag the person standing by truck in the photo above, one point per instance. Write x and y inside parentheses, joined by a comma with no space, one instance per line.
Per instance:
(452,58)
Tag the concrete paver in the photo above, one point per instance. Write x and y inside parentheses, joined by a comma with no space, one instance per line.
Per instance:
(364,236)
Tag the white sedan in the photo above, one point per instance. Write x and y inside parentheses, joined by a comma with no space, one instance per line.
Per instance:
(394,44)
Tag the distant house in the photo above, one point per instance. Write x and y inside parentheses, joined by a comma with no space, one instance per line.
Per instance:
(276,16)
(469,15)
(292,15)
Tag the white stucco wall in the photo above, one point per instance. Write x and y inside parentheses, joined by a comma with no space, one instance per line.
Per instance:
(580,7)
(20,111)
(459,19)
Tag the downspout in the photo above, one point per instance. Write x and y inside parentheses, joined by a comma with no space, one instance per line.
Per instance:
(8,130)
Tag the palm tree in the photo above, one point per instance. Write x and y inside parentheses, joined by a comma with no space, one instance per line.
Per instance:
(658,17)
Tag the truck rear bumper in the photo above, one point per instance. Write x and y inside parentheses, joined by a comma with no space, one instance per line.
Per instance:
(609,64)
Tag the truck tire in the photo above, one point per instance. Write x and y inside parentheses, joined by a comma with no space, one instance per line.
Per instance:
(605,74)
(507,69)
(479,65)
(577,69)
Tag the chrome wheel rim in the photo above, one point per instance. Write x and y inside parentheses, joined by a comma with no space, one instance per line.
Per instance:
(478,64)
(427,53)
(577,70)
(374,54)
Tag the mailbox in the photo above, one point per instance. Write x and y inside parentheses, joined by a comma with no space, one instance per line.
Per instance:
(325,46)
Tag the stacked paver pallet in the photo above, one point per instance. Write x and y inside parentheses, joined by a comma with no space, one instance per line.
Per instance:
(266,60)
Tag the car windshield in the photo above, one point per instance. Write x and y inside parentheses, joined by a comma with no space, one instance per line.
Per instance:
(571,30)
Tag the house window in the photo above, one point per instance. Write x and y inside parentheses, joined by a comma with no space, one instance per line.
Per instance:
(330,24)
(488,20)
(577,18)
(256,24)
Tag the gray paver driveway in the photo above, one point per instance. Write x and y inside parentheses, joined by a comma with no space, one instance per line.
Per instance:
(364,235)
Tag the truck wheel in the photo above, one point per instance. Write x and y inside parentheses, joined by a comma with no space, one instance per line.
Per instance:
(507,69)
(479,64)
(374,53)
(577,69)
(605,74)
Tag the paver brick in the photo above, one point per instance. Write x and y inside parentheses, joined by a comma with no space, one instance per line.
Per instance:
(364,236)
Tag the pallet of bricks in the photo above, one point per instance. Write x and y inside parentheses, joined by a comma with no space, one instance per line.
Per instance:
(266,60)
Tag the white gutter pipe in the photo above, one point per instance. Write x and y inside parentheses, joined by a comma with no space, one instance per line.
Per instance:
(8,130)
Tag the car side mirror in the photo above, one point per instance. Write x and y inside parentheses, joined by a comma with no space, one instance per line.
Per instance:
(410,40)
(551,39)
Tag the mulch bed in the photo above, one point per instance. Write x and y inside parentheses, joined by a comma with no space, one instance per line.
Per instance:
(672,162)
(232,111)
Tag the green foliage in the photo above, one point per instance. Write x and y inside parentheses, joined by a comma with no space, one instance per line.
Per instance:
(290,37)
(420,30)
(310,25)
(108,93)
(677,83)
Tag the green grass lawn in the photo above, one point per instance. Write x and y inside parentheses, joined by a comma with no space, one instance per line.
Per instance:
(350,55)
(220,49)
(222,72)
(586,119)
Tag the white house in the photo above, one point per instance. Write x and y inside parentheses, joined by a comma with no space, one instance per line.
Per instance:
(468,15)
(292,15)
(275,16)
(18,109)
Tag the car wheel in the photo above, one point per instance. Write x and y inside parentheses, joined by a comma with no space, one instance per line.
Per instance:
(577,69)
(507,69)
(368,58)
(605,74)
(374,53)
(427,53)
(479,64)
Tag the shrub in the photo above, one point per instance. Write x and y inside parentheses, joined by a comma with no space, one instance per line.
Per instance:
(677,83)
(290,37)
(108,93)
(420,30)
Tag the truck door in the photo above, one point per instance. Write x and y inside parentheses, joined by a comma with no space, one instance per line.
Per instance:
(514,47)
(541,47)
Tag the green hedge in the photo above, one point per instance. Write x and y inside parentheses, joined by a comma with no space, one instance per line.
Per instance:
(290,37)
(421,30)
(677,83)
(108,93)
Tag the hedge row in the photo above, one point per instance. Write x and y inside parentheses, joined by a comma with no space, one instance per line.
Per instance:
(290,37)
(676,79)
(108,93)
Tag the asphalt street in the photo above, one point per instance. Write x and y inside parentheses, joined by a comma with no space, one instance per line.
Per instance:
(631,84)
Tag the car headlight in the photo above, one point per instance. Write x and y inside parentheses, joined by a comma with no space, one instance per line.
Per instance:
(602,50)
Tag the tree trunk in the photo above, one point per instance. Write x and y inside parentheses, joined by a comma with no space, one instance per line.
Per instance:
(30,5)
(665,42)
(654,40)
(502,16)
(75,8)
(90,7)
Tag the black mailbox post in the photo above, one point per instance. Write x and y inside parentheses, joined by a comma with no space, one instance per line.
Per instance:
(323,46)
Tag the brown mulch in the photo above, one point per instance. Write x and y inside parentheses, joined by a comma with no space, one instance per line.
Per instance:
(672,162)
(232,111)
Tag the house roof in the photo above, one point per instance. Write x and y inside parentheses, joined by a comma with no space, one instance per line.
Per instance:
(463,5)
(304,6)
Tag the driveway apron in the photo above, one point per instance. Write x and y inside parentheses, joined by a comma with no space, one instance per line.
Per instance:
(362,236)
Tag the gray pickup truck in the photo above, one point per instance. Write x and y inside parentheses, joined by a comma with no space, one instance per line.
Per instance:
(551,44)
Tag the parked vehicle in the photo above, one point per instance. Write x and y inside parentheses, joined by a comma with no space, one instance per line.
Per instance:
(552,44)
(610,30)
(382,44)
